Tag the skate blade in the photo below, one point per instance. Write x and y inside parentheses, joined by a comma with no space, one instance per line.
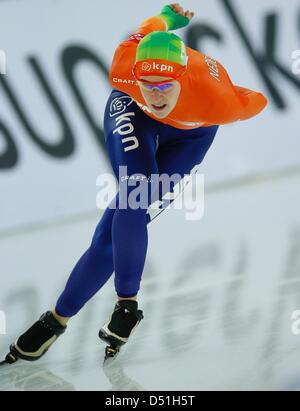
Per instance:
(12,357)
(111,353)
(110,339)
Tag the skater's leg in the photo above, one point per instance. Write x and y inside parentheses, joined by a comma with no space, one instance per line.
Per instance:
(92,270)
(118,228)
(131,143)
(179,151)
(90,273)
(82,284)
(176,156)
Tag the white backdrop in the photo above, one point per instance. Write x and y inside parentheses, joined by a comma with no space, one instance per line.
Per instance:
(36,35)
(231,277)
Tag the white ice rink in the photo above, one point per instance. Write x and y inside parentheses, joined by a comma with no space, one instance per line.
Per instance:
(218,296)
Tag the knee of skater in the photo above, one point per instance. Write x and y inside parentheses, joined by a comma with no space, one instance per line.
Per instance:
(137,197)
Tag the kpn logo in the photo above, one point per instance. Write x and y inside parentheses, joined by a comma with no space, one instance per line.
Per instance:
(157,67)
(2,62)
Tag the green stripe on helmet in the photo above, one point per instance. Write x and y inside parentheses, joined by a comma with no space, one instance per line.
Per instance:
(162,45)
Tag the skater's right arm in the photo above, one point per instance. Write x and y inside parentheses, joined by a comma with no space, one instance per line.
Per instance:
(172,17)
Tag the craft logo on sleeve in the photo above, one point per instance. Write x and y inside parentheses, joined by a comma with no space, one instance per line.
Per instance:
(2,62)
(136,37)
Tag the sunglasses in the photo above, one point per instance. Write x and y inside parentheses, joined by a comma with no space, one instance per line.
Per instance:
(151,86)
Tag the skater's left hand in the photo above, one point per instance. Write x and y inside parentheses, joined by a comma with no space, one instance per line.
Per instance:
(175,16)
(179,10)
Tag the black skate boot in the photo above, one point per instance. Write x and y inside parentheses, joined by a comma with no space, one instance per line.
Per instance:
(36,341)
(117,331)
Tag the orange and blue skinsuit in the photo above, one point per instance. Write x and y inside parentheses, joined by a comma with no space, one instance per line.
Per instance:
(141,147)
